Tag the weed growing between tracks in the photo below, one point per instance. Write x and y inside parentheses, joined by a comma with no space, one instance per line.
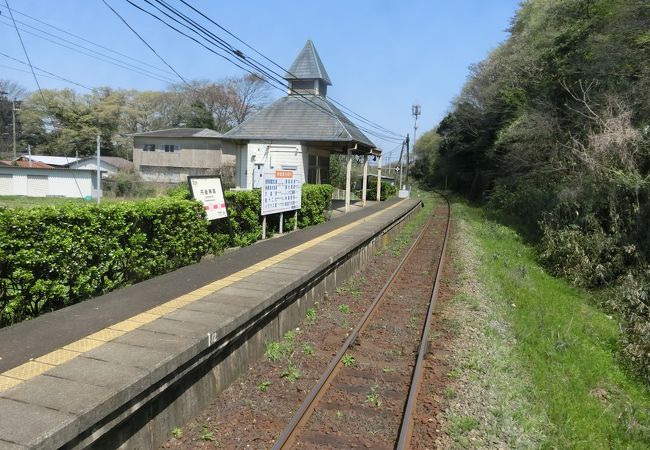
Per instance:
(254,410)
(536,362)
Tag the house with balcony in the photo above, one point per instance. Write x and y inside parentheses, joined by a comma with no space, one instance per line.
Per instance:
(170,156)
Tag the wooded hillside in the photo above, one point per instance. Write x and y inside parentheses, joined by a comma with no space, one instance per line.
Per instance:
(553,130)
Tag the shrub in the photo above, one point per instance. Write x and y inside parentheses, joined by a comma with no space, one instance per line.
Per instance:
(387,190)
(54,257)
(582,253)
(316,200)
(632,301)
(128,184)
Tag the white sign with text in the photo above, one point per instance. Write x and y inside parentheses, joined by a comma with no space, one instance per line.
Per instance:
(281,191)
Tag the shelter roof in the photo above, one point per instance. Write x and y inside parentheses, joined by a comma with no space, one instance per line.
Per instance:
(300,118)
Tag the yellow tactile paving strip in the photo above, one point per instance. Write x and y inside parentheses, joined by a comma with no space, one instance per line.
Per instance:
(30,369)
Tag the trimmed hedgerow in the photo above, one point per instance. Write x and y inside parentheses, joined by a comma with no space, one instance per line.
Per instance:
(54,257)
(316,200)
(387,190)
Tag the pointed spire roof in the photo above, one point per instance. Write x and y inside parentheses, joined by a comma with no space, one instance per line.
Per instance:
(308,66)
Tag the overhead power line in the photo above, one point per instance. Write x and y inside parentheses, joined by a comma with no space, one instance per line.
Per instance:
(20,38)
(145,42)
(81,38)
(382,133)
(97,55)
(360,117)
(49,73)
(244,62)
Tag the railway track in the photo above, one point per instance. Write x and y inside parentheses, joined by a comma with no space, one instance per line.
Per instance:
(367,396)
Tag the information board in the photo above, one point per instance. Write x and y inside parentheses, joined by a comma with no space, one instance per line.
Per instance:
(281,191)
(208,190)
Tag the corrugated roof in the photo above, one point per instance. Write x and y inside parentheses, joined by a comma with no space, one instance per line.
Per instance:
(21,163)
(308,65)
(59,161)
(296,118)
(115,161)
(182,133)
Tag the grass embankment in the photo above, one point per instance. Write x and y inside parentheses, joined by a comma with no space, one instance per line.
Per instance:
(546,366)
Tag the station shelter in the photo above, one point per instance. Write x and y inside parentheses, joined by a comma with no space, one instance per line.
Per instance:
(299,132)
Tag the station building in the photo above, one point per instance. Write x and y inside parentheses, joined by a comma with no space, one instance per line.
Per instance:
(297,132)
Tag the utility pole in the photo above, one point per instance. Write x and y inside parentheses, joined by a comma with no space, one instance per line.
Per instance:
(399,169)
(407,161)
(416,110)
(13,111)
(99,180)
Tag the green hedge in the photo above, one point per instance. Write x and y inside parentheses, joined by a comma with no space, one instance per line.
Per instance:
(244,209)
(387,190)
(54,257)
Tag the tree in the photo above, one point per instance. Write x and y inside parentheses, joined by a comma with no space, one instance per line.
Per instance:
(199,117)
(249,94)
(11,94)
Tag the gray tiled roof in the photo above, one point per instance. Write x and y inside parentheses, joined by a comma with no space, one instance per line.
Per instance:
(296,118)
(181,133)
(308,65)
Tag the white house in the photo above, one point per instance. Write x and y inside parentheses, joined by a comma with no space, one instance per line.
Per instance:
(109,165)
(46,182)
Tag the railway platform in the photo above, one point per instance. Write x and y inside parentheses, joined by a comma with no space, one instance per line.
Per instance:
(121,369)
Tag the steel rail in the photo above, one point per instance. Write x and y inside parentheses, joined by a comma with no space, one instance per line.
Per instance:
(290,433)
(406,430)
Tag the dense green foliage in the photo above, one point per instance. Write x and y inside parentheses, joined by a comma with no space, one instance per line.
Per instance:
(387,190)
(316,200)
(53,257)
(553,129)
(59,122)
(580,396)
(244,220)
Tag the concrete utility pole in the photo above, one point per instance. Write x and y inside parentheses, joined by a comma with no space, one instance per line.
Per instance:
(99,179)
(348,177)
(364,185)
(379,177)
(416,110)
(399,169)
(407,163)
(13,113)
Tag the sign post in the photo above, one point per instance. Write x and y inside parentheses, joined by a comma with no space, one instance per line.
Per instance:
(281,191)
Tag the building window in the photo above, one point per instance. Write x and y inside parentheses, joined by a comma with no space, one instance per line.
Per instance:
(318,170)
(149,148)
(170,148)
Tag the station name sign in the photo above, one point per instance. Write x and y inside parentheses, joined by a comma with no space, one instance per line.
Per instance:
(209,191)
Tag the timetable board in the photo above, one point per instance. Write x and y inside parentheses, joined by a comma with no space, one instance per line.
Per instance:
(281,191)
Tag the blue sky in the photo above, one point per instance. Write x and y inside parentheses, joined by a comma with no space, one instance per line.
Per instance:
(382,56)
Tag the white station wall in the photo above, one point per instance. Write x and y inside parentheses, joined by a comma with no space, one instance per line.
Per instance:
(259,156)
